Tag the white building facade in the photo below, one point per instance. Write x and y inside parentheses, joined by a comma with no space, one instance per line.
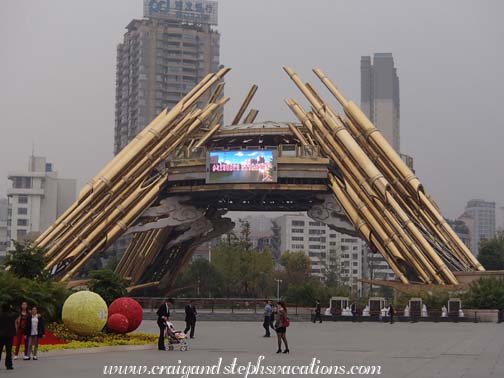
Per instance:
(483,225)
(4,240)
(329,251)
(36,198)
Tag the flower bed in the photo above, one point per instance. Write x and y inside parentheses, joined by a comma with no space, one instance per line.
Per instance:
(73,341)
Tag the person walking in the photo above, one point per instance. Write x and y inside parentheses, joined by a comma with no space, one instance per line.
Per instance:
(391,313)
(353,308)
(163,314)
(190,318)
(267,318)
(7,332)
(281,324)
(21,325)
(318,310)
(272,317)
(34,330)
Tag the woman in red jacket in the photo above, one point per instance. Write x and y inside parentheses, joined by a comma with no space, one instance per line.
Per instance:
(21,325)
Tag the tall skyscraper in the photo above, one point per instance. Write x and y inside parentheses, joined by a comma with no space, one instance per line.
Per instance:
(37,197)
(483,222)
(380,95)
(160,60)
(380,103)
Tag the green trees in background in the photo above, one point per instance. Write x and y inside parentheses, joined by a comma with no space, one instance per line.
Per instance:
(236,270)
(26,261)
(200,280)
(491,254)
(485,293)
(107,284)
(27,281)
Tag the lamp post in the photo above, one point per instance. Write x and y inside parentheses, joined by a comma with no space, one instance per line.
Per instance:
(278,281)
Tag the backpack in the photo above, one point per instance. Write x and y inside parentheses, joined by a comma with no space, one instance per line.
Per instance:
(286,322)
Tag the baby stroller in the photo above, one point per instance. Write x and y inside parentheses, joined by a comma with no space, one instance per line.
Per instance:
(176,339)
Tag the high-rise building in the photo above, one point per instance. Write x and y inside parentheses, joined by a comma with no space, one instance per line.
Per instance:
(160,60)
(380,95)
(330,252)
(4,240)
(37,197)
(500,220)
(483,222)
(380,103)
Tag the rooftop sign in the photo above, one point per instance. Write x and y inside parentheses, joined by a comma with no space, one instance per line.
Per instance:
(190,11)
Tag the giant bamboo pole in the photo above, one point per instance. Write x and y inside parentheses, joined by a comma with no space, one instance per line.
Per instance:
(99,224)
(350,171)
(362,226)
(375,138)
(374,176)
(245,104)
(117,166)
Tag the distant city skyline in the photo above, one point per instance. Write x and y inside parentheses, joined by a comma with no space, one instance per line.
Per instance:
(58,88)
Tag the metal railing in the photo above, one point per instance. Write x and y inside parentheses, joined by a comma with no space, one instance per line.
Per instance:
(222,305)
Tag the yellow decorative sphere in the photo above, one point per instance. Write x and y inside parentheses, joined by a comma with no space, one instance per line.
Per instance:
(85,313)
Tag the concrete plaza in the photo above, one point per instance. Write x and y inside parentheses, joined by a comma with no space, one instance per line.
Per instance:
(418,350)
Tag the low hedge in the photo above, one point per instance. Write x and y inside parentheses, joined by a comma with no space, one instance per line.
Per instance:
(101,339)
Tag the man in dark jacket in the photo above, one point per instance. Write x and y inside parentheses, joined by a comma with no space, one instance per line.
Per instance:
(163,314)
(318,310)
(7,332)
(190,318)
(391,313)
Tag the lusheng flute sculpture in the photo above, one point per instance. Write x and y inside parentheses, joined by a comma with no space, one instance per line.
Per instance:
(155,189)
(127,186)
(381,192)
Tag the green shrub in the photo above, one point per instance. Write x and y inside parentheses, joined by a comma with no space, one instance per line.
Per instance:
(485,293)
(48,296)
(107,284)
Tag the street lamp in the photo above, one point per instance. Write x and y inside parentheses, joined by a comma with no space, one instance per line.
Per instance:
(278,281)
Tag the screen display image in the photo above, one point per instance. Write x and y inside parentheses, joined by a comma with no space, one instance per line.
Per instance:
(250,166)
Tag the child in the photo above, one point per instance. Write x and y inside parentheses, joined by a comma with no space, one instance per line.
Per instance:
(34,330)
(173,334)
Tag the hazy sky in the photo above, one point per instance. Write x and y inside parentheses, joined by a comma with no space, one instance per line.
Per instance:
(57,78)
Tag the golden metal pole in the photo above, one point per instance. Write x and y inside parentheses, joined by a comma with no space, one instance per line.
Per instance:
(217,92)
(251,116)
(207,136)
(245,104)
(374,176)
(294,130)
(386,219)
(349,170)
(129,153)
(96,227)
(362,226)
(408,177)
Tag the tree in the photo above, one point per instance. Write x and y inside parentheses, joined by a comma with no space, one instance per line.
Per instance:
(296,264)
(26,261)
(107,284)
(491,254)
(201,279)
(227,262)
(245,272)
(485,293)
(48,296)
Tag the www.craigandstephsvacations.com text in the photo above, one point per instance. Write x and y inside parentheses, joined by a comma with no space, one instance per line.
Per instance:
(243,369)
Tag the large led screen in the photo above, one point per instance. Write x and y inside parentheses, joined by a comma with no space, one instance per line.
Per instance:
(248,166)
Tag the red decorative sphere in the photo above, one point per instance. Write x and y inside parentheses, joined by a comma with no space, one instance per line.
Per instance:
(130,308)
(118,323)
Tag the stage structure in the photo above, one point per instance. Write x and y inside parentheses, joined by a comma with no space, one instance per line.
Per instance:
(171,186)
